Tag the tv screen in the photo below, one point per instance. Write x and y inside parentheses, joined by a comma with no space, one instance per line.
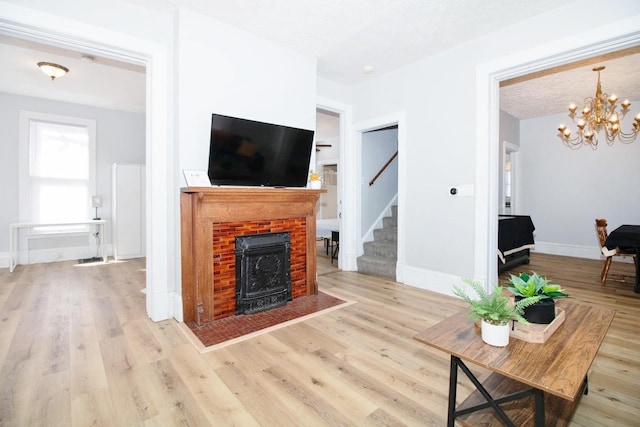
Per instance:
(249,153)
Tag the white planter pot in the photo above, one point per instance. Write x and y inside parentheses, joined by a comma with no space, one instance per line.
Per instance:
(495,335)
(316,185)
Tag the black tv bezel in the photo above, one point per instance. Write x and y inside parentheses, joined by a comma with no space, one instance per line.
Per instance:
(297,181)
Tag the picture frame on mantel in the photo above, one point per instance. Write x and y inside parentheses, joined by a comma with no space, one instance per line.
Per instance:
(196,178)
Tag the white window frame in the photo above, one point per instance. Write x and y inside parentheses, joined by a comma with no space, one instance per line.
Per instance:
(512,150)
(24,207)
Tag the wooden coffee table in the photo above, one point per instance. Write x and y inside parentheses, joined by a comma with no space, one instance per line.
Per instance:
(554,373)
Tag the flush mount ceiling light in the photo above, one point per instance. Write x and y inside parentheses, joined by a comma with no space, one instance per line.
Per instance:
(53,70)
(599,113)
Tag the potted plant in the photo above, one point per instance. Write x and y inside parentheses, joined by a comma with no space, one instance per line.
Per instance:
(528,285)
(494,311)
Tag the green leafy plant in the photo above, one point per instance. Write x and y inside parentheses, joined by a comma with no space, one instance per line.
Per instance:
(525,285)
(494,307)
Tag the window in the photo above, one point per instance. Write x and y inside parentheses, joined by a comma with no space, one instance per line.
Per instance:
(509,171)
(507,181)
(57,170)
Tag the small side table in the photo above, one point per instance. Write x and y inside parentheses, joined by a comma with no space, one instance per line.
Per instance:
(14,243)
(555,372)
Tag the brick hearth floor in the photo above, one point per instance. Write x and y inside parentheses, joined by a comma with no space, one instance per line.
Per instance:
(228,328)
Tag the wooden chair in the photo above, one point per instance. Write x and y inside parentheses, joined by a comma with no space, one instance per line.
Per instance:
(601,228)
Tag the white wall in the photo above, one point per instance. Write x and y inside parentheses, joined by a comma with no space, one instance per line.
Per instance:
(120,137)
(238,75)
(439,153)
(509,128)
(438,96)
(223,70)
(335,91)
(565,190)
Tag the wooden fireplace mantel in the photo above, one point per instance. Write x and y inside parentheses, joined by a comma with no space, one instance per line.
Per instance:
(201,207)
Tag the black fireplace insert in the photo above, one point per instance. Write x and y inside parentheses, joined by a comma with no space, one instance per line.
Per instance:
(263,271)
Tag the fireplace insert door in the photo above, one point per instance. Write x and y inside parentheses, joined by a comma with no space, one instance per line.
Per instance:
(263,272)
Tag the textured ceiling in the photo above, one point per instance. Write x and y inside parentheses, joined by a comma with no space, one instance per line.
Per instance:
(552,91)
(103,83)
(344,36)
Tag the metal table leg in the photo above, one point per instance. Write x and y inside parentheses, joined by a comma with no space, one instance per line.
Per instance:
(491,402)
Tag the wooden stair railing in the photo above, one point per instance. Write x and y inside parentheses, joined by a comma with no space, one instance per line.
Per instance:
(383,168)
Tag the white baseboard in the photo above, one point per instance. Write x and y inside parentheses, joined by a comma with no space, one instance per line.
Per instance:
(37,256)
(177,307)
(434,281)
(160,305)
(588,252)
(349,262)
(443,283)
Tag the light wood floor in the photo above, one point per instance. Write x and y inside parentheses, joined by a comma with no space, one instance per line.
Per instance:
(77,349)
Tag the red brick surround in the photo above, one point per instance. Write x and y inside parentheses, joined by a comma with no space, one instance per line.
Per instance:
(224,260)
(211,217)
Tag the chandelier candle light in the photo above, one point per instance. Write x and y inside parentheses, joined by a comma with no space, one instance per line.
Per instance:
(599,113)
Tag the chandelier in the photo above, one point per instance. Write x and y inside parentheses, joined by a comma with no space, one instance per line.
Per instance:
(599,114)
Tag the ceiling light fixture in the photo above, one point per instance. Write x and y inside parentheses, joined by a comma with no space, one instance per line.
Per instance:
(599,113)
(53,70)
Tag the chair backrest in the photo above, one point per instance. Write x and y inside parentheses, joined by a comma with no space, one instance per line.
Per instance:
(601,227)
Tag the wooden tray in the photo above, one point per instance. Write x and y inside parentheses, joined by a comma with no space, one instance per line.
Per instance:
(535,332)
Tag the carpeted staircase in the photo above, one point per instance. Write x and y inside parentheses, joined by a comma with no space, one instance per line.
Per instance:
(381,254)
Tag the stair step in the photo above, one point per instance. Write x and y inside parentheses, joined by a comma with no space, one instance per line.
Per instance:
(377,266)
(384,250)
(389,222)
(381,255)
(388,235)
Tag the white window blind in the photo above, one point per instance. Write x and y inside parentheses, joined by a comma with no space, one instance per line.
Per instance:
(58,171)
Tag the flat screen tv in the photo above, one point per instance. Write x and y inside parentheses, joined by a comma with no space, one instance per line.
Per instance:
(248,153)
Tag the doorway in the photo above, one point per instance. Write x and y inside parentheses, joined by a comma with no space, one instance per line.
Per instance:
(327,162)
(488,78)
(161,232)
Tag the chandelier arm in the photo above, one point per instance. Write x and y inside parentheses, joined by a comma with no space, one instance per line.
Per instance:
(578,141)
(627,137)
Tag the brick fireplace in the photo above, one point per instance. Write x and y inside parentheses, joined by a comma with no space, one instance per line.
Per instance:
(212,218)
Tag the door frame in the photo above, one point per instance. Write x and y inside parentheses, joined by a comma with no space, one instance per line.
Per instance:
(620,35)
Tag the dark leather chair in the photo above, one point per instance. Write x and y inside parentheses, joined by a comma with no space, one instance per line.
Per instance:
(601,228)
